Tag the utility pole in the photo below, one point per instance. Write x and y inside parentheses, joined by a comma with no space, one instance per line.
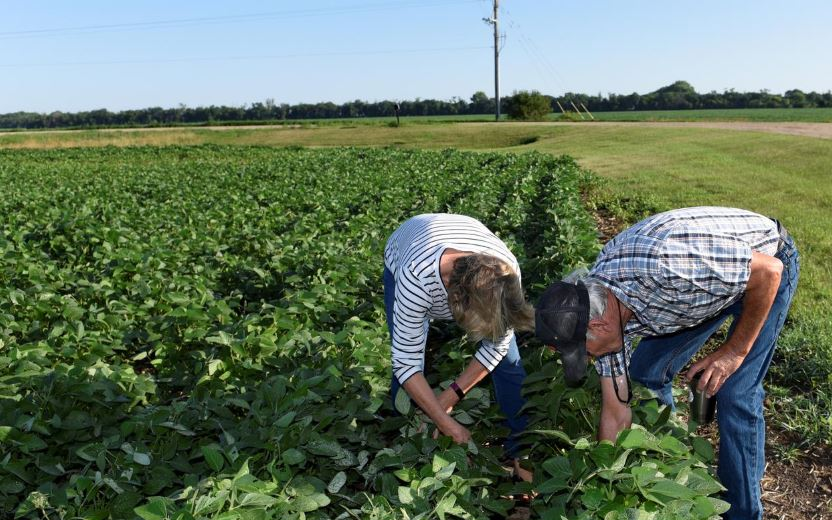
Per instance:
(493,21)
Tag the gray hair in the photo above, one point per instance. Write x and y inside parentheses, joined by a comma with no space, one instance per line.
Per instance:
(597,293)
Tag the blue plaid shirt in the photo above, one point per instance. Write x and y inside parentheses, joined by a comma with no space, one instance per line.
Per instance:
(677,269)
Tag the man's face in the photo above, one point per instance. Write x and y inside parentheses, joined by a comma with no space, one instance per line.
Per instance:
(603,334)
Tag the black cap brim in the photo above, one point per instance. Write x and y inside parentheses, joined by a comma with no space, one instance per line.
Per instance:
(561,320)
(574,362)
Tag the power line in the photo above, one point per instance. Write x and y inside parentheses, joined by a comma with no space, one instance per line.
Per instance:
(242,58)
(536,54)
(183,22)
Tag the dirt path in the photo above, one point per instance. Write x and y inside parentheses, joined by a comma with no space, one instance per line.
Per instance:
(820,130)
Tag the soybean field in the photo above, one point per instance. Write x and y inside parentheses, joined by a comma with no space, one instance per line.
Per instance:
(198,333)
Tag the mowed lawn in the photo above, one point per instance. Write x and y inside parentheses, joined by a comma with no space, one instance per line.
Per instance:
(816,115)
(783,176)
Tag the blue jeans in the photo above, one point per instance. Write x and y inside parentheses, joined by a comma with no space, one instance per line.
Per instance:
(507,377)
(742,428)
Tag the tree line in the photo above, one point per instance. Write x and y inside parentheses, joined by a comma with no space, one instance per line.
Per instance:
(677,96)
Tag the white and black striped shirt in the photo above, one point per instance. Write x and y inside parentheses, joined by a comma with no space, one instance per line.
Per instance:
(412,255)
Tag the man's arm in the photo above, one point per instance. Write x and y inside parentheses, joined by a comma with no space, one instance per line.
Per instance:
(760,292)
(615,415)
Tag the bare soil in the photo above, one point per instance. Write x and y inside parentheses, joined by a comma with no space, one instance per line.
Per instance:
(798,487)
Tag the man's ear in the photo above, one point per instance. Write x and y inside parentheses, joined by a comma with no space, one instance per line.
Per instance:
(598,325)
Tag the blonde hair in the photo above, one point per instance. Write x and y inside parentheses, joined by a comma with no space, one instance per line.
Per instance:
(486,298)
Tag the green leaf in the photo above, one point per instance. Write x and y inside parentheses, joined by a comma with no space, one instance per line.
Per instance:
(645,474)
(141,458)
(11,486)
(257,500)
(446,505)
(703,507)
(213,457)
(582,444)
(325,447)
(446,471)
(112,484)
(222,338)
(178,428)
(438,463)
(557,434)
(286,420)
(703,448)
(720,506)
(76,420)
(337,482)
(702,482)
(231,515)
(554,484)
(402,403)
(31,442)
(5,432)
(321,499)
(405,495)
(669,488)
(304,504)
(673,445)
(558,466)
(603,454)
(612,471)
(293,457)
(155,509)
(593,498)
(630,439)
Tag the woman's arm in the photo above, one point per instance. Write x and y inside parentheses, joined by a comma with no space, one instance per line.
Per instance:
(473,374)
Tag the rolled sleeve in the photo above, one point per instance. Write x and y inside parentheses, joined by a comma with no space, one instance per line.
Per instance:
(612,364)
(491,353)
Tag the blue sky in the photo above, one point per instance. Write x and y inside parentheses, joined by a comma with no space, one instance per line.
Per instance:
(85,54)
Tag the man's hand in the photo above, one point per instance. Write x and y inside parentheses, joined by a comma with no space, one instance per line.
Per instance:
(760,291)
(716,368)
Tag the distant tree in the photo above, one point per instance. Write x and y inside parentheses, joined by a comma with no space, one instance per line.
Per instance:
(677,87)
(528,106)
(481,103)
(678,95)
(796,98)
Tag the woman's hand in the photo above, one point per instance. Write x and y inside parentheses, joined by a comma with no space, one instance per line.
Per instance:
(434,407)
(457,432)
